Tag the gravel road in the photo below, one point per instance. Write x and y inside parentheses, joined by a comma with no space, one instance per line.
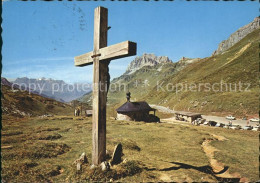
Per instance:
(208,117)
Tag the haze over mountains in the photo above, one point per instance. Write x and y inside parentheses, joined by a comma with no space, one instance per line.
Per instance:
(20,102)
(55,89)
(158,80)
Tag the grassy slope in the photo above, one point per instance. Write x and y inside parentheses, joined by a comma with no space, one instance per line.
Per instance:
(154,146)
(244,68)
(30,103)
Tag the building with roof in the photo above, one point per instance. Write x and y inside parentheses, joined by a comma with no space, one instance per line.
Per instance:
(136,111)
(88,113)
(187,116)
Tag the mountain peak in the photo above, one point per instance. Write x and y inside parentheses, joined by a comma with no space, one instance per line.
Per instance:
(147,59)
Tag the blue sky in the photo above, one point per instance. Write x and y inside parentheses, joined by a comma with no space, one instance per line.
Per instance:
(40,38)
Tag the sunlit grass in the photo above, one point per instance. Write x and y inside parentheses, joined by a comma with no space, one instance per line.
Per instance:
(44,150)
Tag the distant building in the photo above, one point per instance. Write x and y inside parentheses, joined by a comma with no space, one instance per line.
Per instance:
(88,113)
(136,111)
(187,116)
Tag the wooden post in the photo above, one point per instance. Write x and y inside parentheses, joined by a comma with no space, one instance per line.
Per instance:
(99,93)
(100,58)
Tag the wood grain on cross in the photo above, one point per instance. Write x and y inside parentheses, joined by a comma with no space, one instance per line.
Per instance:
(100,58)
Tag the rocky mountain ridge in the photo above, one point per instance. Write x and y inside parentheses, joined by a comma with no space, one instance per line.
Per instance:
(237,36)
(146,60)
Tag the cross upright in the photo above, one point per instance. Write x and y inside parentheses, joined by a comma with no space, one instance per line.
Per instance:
(100,57)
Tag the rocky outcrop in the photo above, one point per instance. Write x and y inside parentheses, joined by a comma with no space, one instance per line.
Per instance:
(237,36)
(4,81)
(146,60)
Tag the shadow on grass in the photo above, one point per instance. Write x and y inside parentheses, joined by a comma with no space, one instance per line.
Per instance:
(205,169)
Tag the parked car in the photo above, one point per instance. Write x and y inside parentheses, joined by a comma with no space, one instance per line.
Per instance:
(254,120)
(235,127)
(220,125)
(256,128)
(212,123)
(247,128)
(200,120)
(230,117)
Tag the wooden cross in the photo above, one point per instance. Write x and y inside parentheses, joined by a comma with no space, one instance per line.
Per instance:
(100,57)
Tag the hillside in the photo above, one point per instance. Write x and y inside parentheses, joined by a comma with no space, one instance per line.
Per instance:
(21,103)
(157,83)
(239,64)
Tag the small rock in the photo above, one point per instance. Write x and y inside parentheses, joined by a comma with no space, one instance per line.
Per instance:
(125,160)
(83,158)
(105,166)
(93,166)
(78,166)
(117,155)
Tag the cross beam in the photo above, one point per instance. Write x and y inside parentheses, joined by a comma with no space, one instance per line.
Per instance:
(112,52)
(100,57)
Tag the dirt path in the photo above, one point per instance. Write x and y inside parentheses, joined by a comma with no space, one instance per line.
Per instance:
(220,171)
(217,166)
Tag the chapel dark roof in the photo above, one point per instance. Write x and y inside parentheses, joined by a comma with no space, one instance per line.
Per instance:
(134,107)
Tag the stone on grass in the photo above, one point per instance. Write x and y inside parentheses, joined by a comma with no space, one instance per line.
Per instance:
(125,160)
(117,155)
(105,166)
(93,166)
(82,159)
(79,166)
